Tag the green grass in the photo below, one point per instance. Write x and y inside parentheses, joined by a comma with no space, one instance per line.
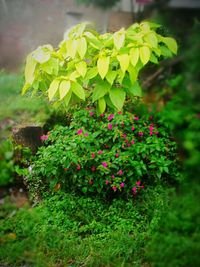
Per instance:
(18,109)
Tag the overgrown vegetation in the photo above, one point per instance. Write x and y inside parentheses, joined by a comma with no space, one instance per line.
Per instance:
(157,227)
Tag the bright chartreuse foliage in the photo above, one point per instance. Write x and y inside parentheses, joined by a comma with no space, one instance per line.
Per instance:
(101,67)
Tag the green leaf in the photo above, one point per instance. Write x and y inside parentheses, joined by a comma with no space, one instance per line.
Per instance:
(165,51)
(119,38)
(153,59)
(64,88)
(103,66)
(134,55)
(101,105)
(144,54)
(78,90)
(100,89)
(53,89)
(117,97)
(82,47)
(30,69)
(123,61)
(81,67)
(67,98)
(25,88)
(151,39)
(111,75)
(135,90)
(171,44)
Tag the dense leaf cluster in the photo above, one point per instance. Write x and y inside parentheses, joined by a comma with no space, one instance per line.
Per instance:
(101,67)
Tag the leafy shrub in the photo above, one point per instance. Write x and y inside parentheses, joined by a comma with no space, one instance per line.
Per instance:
(103,68)
(119,153)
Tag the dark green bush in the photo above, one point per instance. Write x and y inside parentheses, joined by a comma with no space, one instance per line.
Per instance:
(110,154)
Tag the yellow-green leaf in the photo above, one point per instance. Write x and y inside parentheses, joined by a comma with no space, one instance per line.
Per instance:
(82,47)
(103,66)
(71,46)
(119,38)
(124,61)
(134,55)
(91,73)
(151,39)
(133,73)
(144,54)
(53,89)
(30,69)
(171,44)
(78,90)
(40,55)
(101,105)
(74,75)
(64,88)
(81,67)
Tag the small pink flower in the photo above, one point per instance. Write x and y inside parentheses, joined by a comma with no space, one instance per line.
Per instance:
(132,142)
(151,118)
(138,183)
(93,155)
(120,172)
(132,128)
(150,133)
(119,112)
(124,135)
(128,144)
(106,146)
(122,185)
(100,152)
(78,167)
(110,117)
(104,164)
(43,137)
(93,168)
(86,134)
(107,182)
(91,113)
(114,188)
(136,118)
(151,128)
(134,190)
(140,133)
(126,140)
(79,132)
(157,133)
(117,155)
(112,176)
(91,182)
(102,115)
(142,187)
(109,126)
